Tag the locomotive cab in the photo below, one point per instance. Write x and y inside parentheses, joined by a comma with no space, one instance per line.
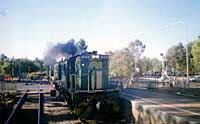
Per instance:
(91,73)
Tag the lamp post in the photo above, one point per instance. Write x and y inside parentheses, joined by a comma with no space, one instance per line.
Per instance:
(187,59)
(186,34)
(162,72)
(187,63)
(164,67)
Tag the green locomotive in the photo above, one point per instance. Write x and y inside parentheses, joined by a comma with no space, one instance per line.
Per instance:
(84,83)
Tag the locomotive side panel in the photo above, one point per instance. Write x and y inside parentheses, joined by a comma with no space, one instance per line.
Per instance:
(57,71)
(63,75)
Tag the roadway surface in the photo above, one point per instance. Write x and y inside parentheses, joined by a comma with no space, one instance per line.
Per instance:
(188,108)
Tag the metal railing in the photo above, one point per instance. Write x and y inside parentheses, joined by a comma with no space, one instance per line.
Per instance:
(148,83)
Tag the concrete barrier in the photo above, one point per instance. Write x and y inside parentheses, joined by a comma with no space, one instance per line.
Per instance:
(145,112)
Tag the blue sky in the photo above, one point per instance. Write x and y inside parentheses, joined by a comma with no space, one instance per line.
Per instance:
(30,26)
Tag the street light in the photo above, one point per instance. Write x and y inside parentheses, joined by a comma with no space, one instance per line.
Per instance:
(186,34)
(162,73)
(164,67)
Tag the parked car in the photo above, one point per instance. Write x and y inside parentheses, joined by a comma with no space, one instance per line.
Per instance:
(195,78)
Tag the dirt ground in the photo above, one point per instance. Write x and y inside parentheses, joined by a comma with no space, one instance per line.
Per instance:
(57,112)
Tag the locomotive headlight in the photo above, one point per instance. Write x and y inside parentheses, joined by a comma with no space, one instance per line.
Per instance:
(83,64)
(95,56)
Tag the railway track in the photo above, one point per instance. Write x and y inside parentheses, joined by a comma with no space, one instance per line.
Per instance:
(28,109)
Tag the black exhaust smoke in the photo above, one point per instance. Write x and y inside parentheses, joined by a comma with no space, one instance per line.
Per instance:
(64,50)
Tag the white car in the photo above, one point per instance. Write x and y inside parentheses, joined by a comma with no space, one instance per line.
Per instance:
(195,78)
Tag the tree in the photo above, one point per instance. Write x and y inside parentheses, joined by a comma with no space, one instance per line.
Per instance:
(119,64)
(157,65)
(3,57)
(176,58)
(190,58)
(196,54)
(5,68)
(39,64)
(122,62)
(146,65)
(15,67)
(150,65)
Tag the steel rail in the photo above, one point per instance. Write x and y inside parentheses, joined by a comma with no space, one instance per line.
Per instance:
(17,107)
(39,104)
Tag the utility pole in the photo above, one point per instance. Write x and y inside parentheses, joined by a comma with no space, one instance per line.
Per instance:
(186,45)
(187,61)
(164,67)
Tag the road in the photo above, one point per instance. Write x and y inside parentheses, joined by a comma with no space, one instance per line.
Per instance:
(189,108)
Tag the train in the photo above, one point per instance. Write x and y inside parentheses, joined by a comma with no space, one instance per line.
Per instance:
(83,80)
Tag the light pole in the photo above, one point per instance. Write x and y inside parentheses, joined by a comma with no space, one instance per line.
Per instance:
(162,73)
(164,67)
(186,34)
(187,63)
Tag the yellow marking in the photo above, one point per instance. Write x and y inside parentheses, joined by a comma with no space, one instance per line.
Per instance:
(97,65)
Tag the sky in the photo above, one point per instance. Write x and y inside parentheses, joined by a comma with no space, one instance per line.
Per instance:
(29,27)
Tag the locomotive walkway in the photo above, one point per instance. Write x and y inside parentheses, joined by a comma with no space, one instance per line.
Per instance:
(152,107)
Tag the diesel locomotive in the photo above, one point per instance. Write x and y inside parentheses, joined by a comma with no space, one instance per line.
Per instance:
(83,80)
